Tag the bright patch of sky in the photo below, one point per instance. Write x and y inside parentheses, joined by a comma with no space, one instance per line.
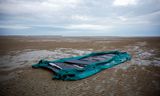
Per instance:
(124,2)
(80,17)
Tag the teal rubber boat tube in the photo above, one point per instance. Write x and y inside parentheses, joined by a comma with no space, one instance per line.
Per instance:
(80,67)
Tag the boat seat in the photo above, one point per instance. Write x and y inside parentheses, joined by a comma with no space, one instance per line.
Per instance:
(78,62)
(107,56)
(61,66)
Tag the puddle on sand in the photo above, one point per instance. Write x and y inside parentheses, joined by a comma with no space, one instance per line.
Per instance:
(140,56)
(22,59)
(29,57)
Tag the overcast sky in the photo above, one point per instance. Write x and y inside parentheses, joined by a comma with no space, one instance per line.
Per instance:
(80,17)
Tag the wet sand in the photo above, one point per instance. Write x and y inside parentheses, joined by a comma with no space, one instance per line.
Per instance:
(138,77)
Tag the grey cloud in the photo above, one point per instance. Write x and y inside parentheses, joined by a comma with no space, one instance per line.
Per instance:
(79,12)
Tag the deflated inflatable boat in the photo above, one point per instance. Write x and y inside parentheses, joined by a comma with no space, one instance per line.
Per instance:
(75,68)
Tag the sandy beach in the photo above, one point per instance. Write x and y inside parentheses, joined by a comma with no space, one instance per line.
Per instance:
(138,77)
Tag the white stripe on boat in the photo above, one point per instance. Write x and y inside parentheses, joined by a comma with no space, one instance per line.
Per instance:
(53,64)
(77,66)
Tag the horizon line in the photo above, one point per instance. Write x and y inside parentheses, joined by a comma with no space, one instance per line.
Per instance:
(76,35)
